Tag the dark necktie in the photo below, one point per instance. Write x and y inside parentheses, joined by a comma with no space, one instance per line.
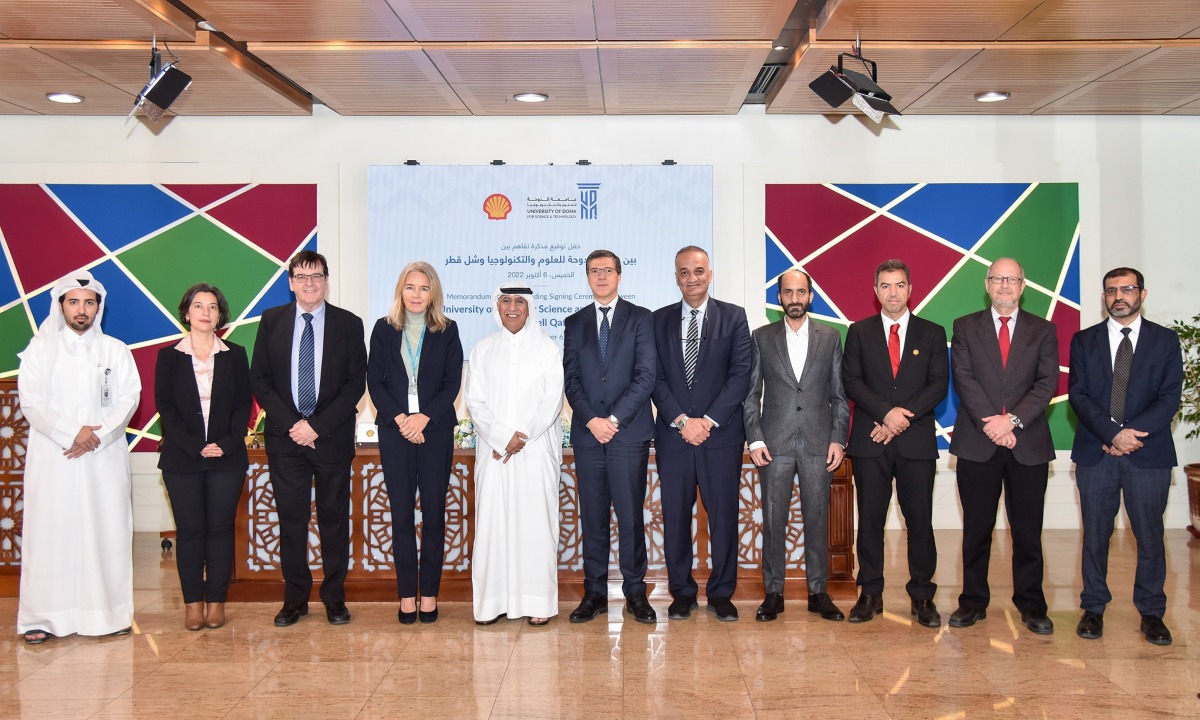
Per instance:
(894,348)
(604,328)
(1120,386)
(306,385)
(691,350)
(1005,341)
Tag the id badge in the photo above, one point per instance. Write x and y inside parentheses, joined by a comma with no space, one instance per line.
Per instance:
(106,389)
(414,404)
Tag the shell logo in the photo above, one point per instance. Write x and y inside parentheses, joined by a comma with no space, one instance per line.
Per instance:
(497,207)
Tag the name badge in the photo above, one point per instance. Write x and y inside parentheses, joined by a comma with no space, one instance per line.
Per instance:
(106,389)
(414,404)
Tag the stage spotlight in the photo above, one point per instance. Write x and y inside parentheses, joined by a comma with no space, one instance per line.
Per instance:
(165,86)
(837,85)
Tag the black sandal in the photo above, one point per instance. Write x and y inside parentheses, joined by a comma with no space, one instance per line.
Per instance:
(31,637)
(538,623)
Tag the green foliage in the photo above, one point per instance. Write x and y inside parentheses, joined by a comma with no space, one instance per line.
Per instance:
(1189,338)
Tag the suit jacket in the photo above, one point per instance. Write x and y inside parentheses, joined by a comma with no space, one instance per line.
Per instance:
(178,400)
(920,384)
(343,367)
(781,406)
(985,386)
(622,384)
(439,375)
(722,375)
(1155,384)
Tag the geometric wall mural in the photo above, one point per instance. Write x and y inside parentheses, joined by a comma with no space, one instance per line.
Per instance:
(147,244)
(947,234)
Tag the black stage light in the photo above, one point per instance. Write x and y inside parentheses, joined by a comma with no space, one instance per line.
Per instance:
(165,86)
(837,85)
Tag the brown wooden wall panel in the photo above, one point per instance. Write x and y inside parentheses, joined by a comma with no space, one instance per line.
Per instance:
(691,19)
(299,20)
(1107,19)
(497,20)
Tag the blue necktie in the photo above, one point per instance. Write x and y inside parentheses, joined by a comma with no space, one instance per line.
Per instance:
(306,386)
(604,328)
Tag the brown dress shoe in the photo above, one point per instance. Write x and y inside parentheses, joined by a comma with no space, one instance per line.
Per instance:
(214,615)
(193,615)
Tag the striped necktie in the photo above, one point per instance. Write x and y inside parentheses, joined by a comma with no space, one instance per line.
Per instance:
(306,386)
(691,350)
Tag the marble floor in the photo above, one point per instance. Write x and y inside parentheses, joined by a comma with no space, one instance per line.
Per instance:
(797,667)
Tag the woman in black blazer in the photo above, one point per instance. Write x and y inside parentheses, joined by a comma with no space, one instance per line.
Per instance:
(413,374)
(202,390)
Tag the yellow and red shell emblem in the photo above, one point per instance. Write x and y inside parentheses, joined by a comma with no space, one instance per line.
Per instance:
(497,206)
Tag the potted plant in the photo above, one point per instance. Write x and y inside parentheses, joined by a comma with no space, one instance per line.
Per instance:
(1189,408)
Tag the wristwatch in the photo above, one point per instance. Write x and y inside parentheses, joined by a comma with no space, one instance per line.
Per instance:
(613,419)
(1016,421)
(681,421)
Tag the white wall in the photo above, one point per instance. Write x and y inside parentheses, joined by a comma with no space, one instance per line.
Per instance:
(1138,178)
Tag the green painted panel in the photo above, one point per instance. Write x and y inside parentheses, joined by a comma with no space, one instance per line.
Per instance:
(14,328)
(962,293)
(199,251)
(1063,422)
(1038,232)
(244,335)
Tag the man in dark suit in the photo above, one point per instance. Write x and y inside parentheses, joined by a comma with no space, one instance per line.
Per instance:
(1005,365)
(1126,380)
(796,421)
(308,373)
(703,377)
(609,372)
(896,372)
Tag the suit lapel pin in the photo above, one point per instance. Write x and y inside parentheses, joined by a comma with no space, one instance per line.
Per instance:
(916,351)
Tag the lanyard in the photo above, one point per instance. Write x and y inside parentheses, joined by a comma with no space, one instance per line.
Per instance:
(414,361)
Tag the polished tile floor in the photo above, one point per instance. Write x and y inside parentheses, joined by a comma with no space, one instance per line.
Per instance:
(797,667)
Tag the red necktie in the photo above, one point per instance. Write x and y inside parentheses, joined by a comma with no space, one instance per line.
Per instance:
(894,348)
(1004,341)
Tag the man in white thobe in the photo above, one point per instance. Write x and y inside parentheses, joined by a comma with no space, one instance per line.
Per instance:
(78,389)
(514,396)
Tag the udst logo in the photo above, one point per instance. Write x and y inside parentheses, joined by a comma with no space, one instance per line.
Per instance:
(497,207)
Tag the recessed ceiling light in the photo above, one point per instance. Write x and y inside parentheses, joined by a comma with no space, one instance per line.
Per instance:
(66,98)
(992,96)
(531,97)
(780,47)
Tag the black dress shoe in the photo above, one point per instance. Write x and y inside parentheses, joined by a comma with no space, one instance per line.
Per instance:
(1091,626)
(406,618)
(867,607)
(291,614)
(723,609)
(1155,631)
(337,613)
(1038,622)
(926,614)
(771,607)
(966,616)
(639,607)
(428,616)
(593,604)
(823,605)
(681,607)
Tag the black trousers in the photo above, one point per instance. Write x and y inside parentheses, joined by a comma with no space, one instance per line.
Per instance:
(204,505)
(613,475)
(979,486)
(717,473)
(299,477)
(914,489)
(410,468)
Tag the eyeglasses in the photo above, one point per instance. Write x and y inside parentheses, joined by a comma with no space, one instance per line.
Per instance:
(1122,289)
(1005,280)
(305,279)
(598,272)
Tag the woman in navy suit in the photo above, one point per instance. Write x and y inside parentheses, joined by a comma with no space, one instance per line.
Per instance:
(413,374)
(202,390)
